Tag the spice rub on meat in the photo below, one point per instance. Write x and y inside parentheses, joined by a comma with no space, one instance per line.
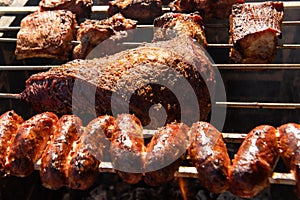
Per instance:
(46,34)
(254,32)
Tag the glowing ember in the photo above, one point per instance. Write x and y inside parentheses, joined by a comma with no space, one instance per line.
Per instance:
(183,188)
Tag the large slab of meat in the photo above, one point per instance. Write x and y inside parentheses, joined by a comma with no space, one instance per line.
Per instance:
(173,76)
(254,32)
(46,35)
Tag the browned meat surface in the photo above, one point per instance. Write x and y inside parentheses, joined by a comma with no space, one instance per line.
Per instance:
(209,8)
(253,164)
(165,153)
(81,8)
(297,172)
(189,24)
(97,136)
(209,155)
(46,35)
(142,10)
(93,32)
(127,148)
(103,85)
(9,125)
(254,32)
(83,167)
(30,141)
(54,163)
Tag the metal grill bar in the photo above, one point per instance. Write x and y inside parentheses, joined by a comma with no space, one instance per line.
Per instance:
(259,105)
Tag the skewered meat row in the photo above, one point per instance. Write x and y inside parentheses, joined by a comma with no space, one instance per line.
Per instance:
(130,79)
(254,32)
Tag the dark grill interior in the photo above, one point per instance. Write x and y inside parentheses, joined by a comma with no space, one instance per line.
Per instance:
(279,84)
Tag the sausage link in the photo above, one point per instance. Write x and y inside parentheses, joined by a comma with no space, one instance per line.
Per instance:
(165,153)
(54,166)
(9,125)
(209,155)
(97,136)
(127,148)
(30,141)
(253,164)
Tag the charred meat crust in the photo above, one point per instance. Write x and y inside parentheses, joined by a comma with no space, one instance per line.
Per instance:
(165,153)
(52,39)
(254,31)
(254,162)
(209,155)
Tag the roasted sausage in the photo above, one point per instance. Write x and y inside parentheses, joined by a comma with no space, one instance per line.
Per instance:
(83,167)
(164,153)
(97,136)
(253,164)
(29,143)
(127,148)
(209,155)
(53,170)
(9,124)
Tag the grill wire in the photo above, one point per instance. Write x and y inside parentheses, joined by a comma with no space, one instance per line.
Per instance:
(285,69)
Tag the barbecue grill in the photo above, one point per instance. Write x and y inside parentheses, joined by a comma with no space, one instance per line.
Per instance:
(256,94)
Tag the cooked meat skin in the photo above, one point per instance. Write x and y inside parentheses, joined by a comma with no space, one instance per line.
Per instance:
(83,167)
(253,164)
(131,72)
(127,148)
(254,31)
(165,153)
(93,32)
(81,8)
(54,165)
(9,125)
(97,136)
(209,155)
(219,9)
(46,35)
(30,141)
(189,24)
(141,10)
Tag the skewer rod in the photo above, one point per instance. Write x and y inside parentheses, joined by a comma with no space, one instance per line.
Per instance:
(259,105)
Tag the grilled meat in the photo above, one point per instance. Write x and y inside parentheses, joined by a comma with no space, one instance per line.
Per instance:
(127,148)
(254,32)
(46,35)
(253,164)
(81,8)
(30,141)
(83,167)
(165,153)
(54,163)
(209,155)
(141,10)
(97,136)
(189,24)
(93,32)
(9,125)
(150,74)
(209,8)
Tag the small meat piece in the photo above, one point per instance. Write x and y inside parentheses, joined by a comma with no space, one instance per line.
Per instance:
(46,35)
(127,148)
(141,10)
(219,9)
(254,31)
(30,141)
(81,8)
(97,136)
(9,125)
(83,167)
(165,153)
(189,24)
(209,155)
(253,164)
(93,32)
(54,163)
(103,84)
